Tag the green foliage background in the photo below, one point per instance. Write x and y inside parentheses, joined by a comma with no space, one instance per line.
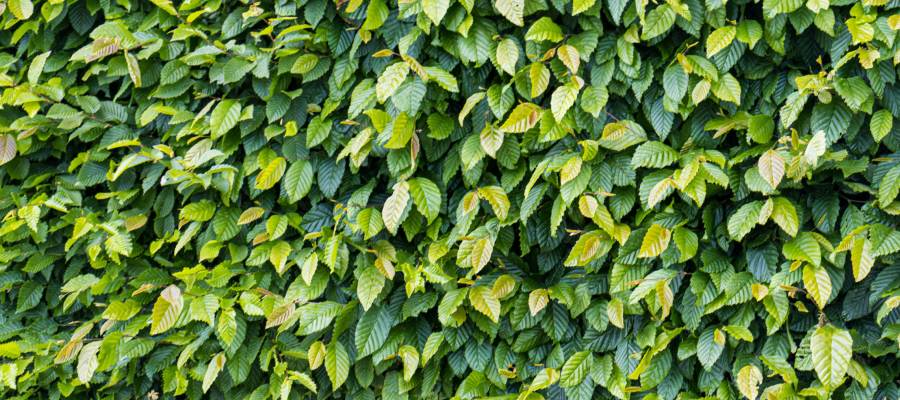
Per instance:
(514,199)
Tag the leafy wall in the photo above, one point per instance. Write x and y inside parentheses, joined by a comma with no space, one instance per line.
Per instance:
(523,199)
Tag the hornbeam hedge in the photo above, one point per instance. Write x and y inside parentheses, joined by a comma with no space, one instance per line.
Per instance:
(502,199)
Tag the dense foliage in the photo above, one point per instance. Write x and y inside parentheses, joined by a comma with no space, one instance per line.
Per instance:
(522,199)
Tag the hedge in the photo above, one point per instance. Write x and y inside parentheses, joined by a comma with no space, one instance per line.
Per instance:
(503,199)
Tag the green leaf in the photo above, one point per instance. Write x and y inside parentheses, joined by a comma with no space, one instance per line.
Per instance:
(659,20)
(687,243)
(201,211)
(749,32)
(298,180)
(743,220)
(278,255)
(594,100)
(370,222)
(426,196)
(337,364)
(450,304)
(620,135)
(576,369)
(580,6)
(785,215)
(760,128)
(471,102)
(481,254)
(544,29)
(653,155)
(305,380)
(371,332)
(739,332)
(432,346)
(369,286)
(649,283)
(165,5)
(402,130)
(224,117)
(855,92)
(319,129)
(376,14)
(675,82)
(589,247)
(881,124)
(728,88)
(708,348)
(804,247)
(889,187)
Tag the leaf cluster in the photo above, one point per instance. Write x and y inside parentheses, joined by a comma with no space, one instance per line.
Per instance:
(504,199)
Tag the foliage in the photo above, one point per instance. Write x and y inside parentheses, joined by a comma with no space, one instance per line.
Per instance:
(438,198)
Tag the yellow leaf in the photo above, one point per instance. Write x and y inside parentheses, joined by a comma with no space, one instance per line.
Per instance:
(771,167)
(759,291)
(570,169)
(481,254)
(540,78)
(503,286)
(316,355)
(861,258)
(664,297)
(569,56)
(522,118)
(719,337)
(166,310)
(817,284)
(656,240)
(748,380)
(409,356)
(212,370)
(484,302)
(537,300)
(271,174)
(615,311)
(719,39)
